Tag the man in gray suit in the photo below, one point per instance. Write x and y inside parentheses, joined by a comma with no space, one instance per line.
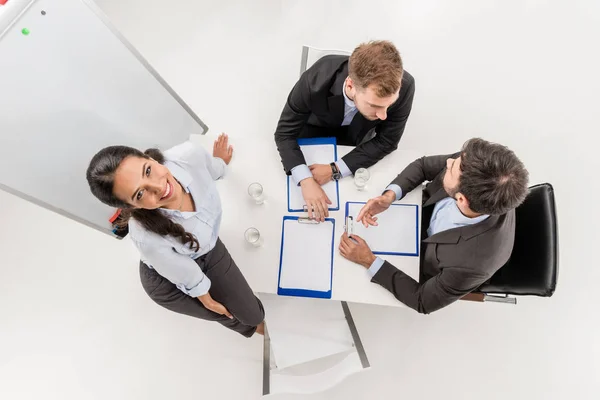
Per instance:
(468,223)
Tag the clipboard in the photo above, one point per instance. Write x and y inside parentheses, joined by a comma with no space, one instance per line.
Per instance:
(397,233)
(316,151)
(306,258)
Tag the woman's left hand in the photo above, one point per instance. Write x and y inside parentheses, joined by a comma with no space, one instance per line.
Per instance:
(222,149)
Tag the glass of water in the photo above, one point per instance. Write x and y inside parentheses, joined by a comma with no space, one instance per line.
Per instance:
(252,236)
(361,177)
(255,190)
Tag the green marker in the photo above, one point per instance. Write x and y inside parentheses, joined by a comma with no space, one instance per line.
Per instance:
(25,31)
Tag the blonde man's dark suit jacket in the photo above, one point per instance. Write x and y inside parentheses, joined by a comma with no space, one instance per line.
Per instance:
(317,102)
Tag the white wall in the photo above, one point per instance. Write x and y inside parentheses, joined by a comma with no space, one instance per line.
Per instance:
(75,323)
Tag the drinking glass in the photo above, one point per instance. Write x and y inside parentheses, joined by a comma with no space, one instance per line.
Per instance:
(255,190)
(252,236)
(361,177)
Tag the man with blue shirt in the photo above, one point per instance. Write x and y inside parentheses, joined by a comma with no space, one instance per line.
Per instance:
(363,100)
(468,223)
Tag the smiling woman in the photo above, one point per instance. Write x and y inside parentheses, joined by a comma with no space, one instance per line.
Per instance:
(173,210)
(148,184)
(126,178)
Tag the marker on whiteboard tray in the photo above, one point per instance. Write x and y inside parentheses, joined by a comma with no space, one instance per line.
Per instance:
(115,216)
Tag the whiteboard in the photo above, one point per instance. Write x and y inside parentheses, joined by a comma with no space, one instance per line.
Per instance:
(70,87)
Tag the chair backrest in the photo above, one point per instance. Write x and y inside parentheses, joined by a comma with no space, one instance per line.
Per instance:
(533,265)
(310,55)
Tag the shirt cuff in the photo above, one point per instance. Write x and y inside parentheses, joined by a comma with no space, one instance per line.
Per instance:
(375,267)
(223,167)
(343,167)
(301,172)
(396,189)
(200,289)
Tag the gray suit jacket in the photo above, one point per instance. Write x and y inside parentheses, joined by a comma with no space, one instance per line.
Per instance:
(317,101)
(454,262)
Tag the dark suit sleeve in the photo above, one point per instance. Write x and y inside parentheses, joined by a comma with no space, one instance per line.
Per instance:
(295,113)
(437,292)
(421,170)
(387,138)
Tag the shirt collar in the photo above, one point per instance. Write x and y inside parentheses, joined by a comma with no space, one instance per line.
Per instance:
(459,218)
(347,101)
(475,226)
(184,178)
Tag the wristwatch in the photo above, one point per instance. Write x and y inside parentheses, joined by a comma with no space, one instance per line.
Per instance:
(336,174)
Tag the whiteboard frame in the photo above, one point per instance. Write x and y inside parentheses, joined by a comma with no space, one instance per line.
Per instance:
(104,19)
(100,14)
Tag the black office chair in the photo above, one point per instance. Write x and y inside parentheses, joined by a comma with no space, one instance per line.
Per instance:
(532,269)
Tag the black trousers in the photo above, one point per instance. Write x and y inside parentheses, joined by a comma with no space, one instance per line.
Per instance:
(228,287)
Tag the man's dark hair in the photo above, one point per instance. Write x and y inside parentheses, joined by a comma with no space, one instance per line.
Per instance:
(493,179)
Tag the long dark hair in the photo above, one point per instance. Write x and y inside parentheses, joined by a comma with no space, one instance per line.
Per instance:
(101,178)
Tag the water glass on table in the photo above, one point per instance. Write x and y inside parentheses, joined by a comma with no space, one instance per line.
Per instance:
(255,190)
(361,177)
(252,236)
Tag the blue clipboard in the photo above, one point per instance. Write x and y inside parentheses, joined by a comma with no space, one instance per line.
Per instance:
(312,142)
(300,292)
(416,208)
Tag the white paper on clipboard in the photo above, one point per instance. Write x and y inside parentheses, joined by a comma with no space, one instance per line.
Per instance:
(396,233)
(306,257)
(314,154)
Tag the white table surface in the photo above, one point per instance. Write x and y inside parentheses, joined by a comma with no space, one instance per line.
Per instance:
(257,160)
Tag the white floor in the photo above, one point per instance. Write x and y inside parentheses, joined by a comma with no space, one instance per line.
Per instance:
(75,323)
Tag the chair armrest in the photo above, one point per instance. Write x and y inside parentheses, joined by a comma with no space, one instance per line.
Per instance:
(474,296)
